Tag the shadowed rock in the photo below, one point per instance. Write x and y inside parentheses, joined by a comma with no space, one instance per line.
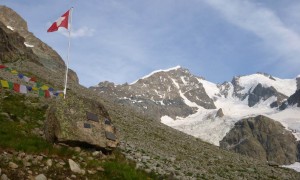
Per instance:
(263,138)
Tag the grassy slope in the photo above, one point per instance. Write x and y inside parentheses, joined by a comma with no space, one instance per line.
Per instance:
(25,115)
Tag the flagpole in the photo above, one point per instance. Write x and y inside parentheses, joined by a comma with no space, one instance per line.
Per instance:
(68,55)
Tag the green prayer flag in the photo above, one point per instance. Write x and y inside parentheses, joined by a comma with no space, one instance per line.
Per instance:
(38,84)
(11,85)
(41,93)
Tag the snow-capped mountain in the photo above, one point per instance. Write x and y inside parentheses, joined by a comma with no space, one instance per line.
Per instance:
(204,109)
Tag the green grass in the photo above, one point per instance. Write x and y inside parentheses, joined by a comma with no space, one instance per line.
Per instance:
(18,136)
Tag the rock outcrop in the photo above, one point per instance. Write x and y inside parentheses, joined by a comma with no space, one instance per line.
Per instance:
(294,99)
(220,113)
(80,122)
(47,57)
(262,138)
(263,93)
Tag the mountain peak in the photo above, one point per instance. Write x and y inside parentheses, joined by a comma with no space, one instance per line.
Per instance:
(157,71)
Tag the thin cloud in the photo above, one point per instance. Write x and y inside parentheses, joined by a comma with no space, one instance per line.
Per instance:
(77,33)
(278,38)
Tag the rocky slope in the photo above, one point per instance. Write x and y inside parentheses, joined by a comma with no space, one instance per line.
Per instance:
(154,146)
(47,57)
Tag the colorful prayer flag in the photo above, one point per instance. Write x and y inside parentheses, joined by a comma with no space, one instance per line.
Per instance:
(14,72)
(29,88)
(20,76)
(17,87)
(11,85)
(26,79)
(41,93)
(44,87)
(2,66)
(33,79)
(4,84)
(47,94)
(23,89)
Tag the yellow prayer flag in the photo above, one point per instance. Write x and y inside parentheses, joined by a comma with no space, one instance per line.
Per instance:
(14,72)
(35,88)
(4,84)
(44,87)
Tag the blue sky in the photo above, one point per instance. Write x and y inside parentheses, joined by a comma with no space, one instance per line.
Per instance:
(123,40)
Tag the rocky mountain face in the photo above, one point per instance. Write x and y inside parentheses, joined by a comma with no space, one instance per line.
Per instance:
(263,138)
(294,99)
(47,57)
(298,82)
(177,93)
(256,92)
(174,92)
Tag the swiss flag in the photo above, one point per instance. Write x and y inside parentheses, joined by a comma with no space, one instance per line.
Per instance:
(63,21)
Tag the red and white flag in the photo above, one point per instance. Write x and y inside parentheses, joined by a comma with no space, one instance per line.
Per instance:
(63,21)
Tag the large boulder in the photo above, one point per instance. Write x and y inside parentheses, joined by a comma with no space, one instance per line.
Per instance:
(263,138)
(79,121)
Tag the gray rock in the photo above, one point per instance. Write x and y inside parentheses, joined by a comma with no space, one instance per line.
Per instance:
(75,167)
(49,162)
(40,177)
(0,171)
(12,165)
(63,126)
(96,153)
(220,113)
(101,169)
(77,149)
(4,177)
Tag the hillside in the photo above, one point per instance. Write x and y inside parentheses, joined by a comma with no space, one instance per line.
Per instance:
(159,151)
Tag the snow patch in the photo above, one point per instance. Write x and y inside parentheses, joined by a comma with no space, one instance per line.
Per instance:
(211,89)
(11,28)
(284,86)
(295,166)
(161,70)
(28,45)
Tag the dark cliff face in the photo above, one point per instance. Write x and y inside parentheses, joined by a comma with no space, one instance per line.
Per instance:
(298,82)
(12,47)
(294,99)
(263,93)
(47,57)
(262,138)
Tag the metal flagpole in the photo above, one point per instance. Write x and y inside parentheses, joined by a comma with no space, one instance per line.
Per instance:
(68,56)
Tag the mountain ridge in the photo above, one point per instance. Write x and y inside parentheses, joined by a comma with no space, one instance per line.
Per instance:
(244,96)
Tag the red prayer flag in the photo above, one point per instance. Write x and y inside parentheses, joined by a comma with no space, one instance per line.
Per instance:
(2,66)
(63,21)
(47,94)
(33,79)
(17,87)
